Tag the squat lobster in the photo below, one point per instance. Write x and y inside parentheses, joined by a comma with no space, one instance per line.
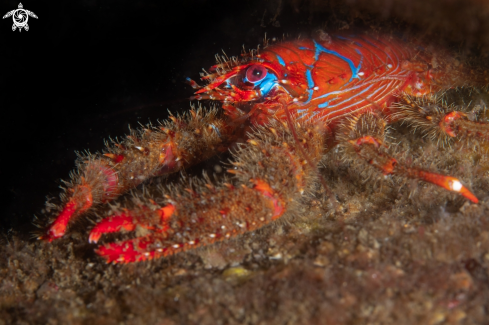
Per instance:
(291,102)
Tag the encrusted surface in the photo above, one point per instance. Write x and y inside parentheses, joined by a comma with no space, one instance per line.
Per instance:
(408,253)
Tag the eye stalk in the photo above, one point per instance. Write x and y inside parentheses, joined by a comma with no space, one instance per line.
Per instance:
(256,73)
(250,82)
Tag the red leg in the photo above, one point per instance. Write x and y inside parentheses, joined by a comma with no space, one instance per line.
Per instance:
(112,224)
(80,201)
(439,120)
(128,220)
(180,142)
(128,251)
(367,147)
(366,140)
(270,176)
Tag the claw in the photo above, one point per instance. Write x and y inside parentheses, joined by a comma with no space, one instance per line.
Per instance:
(134,250)
(58,228)
(79,203)
(82,197)
(449,183)
(111,224)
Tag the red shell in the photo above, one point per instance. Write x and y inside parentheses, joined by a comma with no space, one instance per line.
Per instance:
(337,77)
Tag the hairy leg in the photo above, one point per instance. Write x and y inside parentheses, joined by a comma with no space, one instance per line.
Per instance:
(363,137)
(440,121)
(177,143)
(270,177)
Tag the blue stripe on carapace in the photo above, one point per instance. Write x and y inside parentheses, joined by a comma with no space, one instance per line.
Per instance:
(323,105)
(338,92)
(353,104)
(267,84)
(280,60)
(310,82)
(351,97)
(310,85)
(354,70)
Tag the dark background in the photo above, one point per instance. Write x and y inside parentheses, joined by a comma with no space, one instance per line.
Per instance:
(87,69)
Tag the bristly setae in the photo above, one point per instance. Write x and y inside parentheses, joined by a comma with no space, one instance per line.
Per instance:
(291,101)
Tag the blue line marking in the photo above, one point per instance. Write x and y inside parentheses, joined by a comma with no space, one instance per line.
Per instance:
(366,89)
(281,61)
(354,70)
(347,107)
(267,84)
(337,104)
(323,105)
(338,92)
(310,84)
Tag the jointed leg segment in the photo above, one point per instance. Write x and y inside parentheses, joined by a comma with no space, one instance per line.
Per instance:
(180,142)
(270,177)
(365,136)
(439,120)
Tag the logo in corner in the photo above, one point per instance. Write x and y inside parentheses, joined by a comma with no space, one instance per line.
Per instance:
(20,17)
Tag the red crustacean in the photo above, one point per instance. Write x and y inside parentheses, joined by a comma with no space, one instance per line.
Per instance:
(291,102)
